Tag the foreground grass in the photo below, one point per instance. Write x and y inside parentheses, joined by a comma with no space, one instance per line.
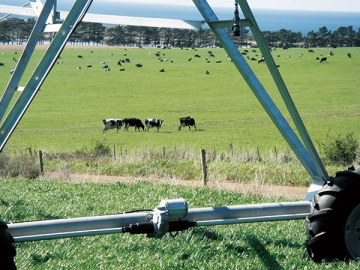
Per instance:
(270,245)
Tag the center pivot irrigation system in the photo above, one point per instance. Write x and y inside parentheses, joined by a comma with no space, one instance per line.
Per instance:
(331,207)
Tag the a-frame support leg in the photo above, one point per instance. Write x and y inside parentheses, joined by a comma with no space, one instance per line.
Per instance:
(25,57)
(315,169)
(69,25)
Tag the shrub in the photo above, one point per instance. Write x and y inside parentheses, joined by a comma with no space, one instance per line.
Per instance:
(342,149)
(101,149)
(19,165)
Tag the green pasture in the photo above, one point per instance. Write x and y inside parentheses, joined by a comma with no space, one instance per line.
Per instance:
(267,245)
(67,112)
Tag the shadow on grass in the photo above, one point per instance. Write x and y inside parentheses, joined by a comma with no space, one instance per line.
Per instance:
(268,260)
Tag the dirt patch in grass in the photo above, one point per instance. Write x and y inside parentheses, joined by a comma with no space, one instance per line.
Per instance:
(257,189)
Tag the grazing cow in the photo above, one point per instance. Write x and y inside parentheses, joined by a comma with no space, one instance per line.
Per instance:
(111,124)
(261,60)
(349,55)
(80,56)
(187,122)
(1,64)
(310,51)
(323,59)
(133,122)
(149,123)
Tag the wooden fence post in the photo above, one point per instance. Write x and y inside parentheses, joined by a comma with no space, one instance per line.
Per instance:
(163,151)
(231,149)
(41,162)
(203,163)
(114,151)
(258,153)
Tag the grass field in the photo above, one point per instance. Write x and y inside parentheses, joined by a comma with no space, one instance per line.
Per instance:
(67,113)
(268,245)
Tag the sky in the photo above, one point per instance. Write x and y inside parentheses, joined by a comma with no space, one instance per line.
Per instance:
(314,5)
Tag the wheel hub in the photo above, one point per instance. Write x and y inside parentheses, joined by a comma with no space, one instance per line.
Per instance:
(352,233)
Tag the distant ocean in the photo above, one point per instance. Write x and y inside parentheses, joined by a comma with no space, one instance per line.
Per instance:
(268,20)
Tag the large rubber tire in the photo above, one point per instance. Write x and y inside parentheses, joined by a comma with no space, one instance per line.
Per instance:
(7,251)
(326,224)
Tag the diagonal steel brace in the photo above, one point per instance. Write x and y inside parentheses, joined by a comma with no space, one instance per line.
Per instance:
(69,25)
(307,155)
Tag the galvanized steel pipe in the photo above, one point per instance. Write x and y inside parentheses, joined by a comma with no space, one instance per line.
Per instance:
(62,228)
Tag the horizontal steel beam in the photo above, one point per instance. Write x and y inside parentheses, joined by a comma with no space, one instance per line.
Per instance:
(84,226)
(110,19)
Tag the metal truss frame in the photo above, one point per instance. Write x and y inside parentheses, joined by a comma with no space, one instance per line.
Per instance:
(304,150)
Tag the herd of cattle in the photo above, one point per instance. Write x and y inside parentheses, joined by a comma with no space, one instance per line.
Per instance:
(187,121)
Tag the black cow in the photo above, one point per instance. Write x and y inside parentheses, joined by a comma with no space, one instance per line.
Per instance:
(323,59)
(111,124)
(133,122)
(1,64)
(187,122)
(151,122)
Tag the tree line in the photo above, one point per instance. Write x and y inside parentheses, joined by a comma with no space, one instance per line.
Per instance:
(17,31)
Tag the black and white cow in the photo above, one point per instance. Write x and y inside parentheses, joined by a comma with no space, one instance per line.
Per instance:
(153,122)
(323,59)
(133,122)
(187,122)
(111,124)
